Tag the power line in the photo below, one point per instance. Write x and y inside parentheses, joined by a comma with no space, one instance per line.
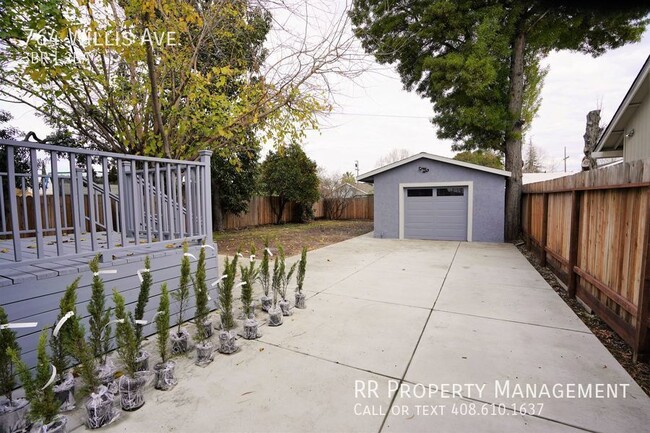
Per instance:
(401,116)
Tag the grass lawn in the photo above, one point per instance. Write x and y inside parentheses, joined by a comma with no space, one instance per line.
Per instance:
(292,237)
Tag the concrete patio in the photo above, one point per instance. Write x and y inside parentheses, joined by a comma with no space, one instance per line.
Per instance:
(408,320)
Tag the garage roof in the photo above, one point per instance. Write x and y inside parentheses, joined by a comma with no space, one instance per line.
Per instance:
(370,176)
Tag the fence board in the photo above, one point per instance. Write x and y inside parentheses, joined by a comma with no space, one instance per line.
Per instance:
(602,258)
(260,212)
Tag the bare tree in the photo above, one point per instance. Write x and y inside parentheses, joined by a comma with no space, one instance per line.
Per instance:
(393,156)
(336,193)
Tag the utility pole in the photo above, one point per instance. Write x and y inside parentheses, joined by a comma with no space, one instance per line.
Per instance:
(565,158)
(356,167)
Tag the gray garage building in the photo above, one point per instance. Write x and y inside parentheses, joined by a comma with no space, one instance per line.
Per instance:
(428,196)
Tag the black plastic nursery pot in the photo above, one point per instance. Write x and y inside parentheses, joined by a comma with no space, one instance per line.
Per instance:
(142,361)
(165,379)
(13,415)
(266,303)
(59,425)
(227,342)
(275,317)
(285,307)
(99,409)
(251,329)
(132,392)
(300,301)
(180,341)
(204,353)
(64,392)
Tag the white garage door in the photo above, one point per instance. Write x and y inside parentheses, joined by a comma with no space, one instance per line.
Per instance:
(438,213)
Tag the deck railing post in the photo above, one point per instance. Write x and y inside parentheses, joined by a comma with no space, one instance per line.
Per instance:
(206,199)
(13,203)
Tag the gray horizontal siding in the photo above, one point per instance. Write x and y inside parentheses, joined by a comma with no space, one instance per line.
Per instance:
(38,301)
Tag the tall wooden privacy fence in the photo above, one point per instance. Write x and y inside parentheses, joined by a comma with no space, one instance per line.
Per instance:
(593,230)
(260,212)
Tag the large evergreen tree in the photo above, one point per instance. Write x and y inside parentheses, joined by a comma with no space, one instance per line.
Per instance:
(479,62)
(290,175)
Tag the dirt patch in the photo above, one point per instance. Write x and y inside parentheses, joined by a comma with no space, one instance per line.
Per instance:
(292,237)
(640,371)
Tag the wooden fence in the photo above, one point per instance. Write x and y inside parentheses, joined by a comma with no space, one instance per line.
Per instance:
(260,212)
(593,230)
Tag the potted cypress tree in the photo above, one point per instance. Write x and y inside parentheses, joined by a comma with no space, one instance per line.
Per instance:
(165,368)
(227,338)
(99,401)
(275,313)
(203,325)
(99,321)
(44,406)
(265,277)
(248,276)
(300,279)
(66,330)
(146,280)
(94,369)
(131,384)
(285,278)
(13,411)
(180,338)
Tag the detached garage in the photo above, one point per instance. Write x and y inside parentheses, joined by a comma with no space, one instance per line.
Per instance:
(427,196)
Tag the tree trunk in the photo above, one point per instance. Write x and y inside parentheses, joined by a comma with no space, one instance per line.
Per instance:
(155,101)
(217,213)
(279,210)
(514,137)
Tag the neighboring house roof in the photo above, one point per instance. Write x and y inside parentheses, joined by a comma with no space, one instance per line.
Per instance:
(357,189)
(541,177)
(612,137)
(369,176)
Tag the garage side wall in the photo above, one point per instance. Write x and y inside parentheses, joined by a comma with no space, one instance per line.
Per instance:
(489,197)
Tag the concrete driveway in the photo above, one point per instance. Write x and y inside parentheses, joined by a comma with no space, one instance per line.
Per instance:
(408,336)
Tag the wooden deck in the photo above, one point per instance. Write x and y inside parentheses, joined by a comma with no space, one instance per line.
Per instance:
(57,263)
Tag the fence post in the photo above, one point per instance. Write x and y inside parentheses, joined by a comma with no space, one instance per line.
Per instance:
(573,242)
(206,200)
(542,242)
(641,348)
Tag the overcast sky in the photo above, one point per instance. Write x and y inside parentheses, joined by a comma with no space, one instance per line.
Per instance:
(374,114)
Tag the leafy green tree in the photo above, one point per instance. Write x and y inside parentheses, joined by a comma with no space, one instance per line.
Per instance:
(100,316)
(290,175)
(479,63)
(264,276)
(487,158)
(234,180)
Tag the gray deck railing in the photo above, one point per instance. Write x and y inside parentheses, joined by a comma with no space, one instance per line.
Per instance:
(127,199)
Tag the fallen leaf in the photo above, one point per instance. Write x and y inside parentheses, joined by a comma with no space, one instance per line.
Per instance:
(4,250)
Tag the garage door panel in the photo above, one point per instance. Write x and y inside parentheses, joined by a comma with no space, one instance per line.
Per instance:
(434,216)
